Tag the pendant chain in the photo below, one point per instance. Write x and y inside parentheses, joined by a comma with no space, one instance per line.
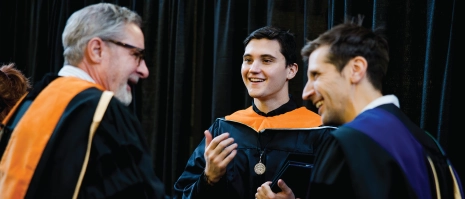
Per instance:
(260,168)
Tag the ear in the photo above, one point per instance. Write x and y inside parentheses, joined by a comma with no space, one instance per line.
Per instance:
(358,68)
(292,71)
(94,50)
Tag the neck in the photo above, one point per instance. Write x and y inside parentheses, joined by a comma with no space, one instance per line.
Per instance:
(267,106)
(94,73)
(364,96)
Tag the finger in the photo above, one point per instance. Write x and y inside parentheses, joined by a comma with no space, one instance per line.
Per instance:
(283,186)
(215,153)
(262,188)
(208,138)
(224,156)
(266,190)
(229,149)
(230,156)
(218,139)
(266,186)
(222,146)
(259,191)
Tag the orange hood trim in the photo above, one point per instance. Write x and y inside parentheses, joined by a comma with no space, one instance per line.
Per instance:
(31,135)
(299,118)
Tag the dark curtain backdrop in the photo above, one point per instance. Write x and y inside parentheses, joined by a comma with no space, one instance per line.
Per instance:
(194,54)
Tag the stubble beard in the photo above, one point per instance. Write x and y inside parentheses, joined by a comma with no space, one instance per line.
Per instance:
(124,96)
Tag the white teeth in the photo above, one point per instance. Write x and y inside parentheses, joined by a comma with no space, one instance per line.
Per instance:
(256,80)
(318,104)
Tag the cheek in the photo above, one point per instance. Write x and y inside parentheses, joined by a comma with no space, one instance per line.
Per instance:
(244,71)
(324,87)
(120,76)
(335,91)
(316,85)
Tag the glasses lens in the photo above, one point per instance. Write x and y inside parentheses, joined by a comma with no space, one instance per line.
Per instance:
(138,53)
(140,56)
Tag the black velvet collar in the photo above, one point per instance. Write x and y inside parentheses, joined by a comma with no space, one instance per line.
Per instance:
(289,106)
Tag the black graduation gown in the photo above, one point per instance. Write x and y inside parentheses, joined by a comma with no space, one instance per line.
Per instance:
(380,154)
(120,164)
(284,131)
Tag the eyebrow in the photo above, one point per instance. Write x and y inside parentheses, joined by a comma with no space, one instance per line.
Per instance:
(261,56)
(268,56)
(125,45)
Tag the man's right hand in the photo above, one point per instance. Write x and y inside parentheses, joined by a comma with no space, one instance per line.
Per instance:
(265,191)
(218,153)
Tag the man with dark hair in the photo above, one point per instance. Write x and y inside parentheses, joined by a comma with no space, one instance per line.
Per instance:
(377,151)
(243,150)
(55,146)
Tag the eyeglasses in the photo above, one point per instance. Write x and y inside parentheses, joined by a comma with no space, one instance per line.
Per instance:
(139,53)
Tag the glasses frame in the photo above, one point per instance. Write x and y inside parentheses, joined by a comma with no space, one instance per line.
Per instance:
(140,52)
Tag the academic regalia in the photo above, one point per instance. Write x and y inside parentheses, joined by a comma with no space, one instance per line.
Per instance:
(381,154)
(120,164)
(288,129)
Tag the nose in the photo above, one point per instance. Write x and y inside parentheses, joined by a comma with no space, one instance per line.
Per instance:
(308,91)
(142,70)
(255,67)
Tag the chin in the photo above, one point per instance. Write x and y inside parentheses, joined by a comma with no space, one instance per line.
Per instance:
(254,94)
(124,97)
(331,121)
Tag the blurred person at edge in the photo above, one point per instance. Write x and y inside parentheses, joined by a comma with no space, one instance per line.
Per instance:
(13,85)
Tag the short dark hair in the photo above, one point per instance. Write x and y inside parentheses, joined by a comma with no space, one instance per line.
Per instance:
(351,39)
(14,84)
(284,37)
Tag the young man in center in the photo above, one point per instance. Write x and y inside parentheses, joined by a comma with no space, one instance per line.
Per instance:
(243,150)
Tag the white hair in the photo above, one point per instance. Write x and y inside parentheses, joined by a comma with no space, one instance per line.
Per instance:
(103,20)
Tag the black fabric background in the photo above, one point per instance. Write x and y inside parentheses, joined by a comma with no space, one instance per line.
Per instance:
(194,52)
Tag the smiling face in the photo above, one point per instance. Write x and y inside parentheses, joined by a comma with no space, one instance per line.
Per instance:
(264,71)
(124,68)
(328,89)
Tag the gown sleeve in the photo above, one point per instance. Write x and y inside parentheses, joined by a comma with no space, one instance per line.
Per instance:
(192,183)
